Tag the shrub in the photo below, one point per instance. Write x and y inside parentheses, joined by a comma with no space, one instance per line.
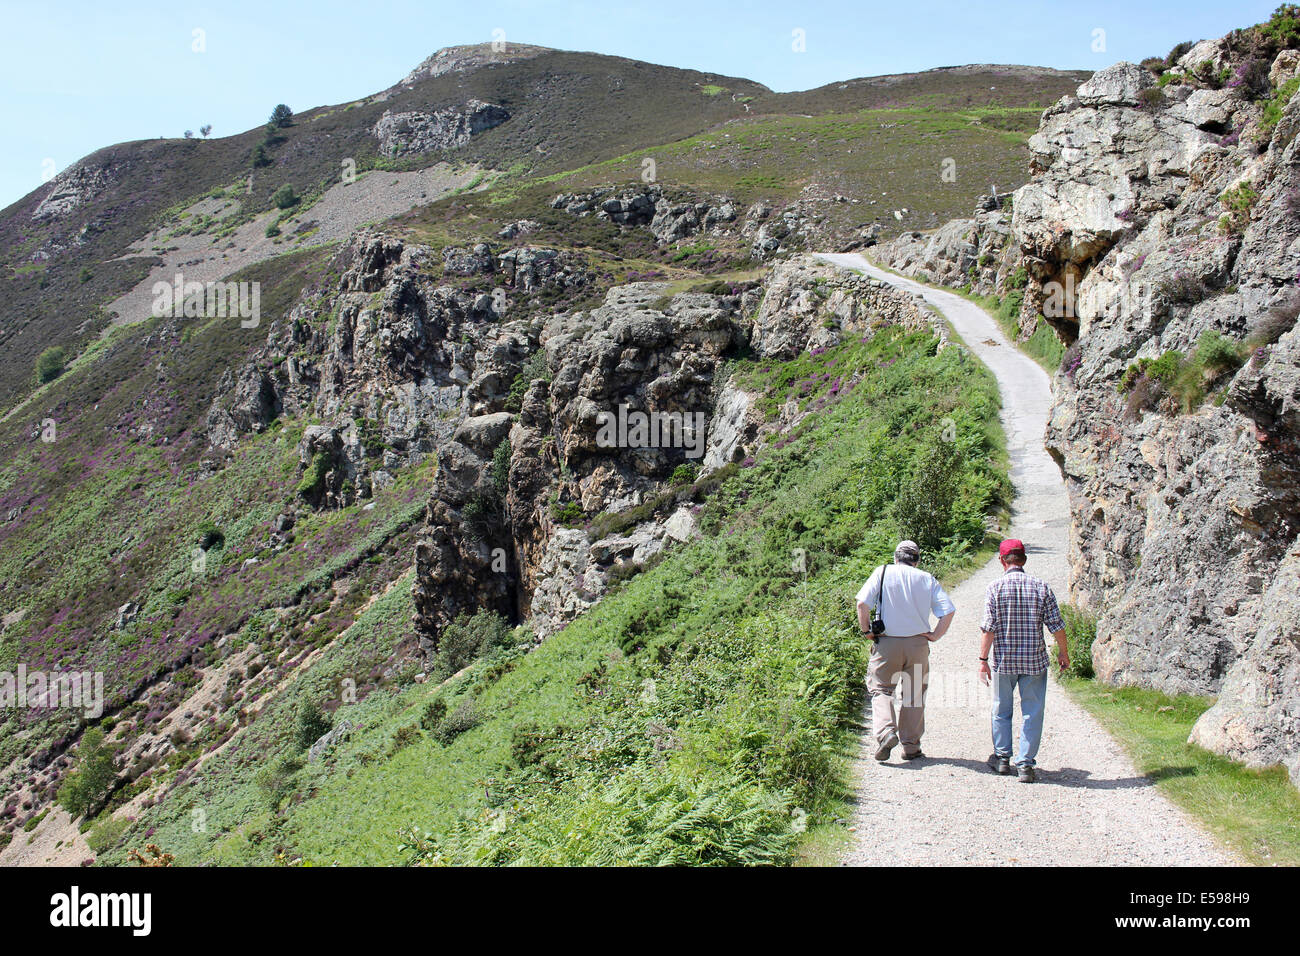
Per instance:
(272,231)
(1080,632)
(482,513)
(472,636)
(1131,375)
(1182,377)
(434,713)
(275,780)
(567,514)
(208,535)
(1143,396)
(105,834)
(87,787)
(531,746)
(460,720)
(1204,71)
(533,369)
(1071,360)
(403,738)
(923,508)
(1183,288)
(1216,353)
(1178,52)
(1250,77)
(50,364)
(501,466)
(312,724)
(285,197)
(1283,27)
(1276,104)
(625,570)
(371,434)
(1151,97)
(260,156)
(1239,201)
(313,476)
(1279,320)
(1166,368)
(684,474)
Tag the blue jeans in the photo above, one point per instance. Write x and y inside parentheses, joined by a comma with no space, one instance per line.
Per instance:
(1033,692)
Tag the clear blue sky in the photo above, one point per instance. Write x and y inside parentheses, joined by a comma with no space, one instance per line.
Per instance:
(89,74)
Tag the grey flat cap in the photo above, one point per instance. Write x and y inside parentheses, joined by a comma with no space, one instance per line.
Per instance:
(907,551)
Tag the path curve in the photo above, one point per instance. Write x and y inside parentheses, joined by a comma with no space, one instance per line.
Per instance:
(1090,805)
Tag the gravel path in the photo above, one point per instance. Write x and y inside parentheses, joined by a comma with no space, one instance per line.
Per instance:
(1089,806)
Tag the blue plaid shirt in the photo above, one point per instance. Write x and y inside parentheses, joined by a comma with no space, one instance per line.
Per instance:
(1016,608)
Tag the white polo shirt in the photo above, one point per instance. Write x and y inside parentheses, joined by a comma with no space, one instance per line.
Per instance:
(910,596)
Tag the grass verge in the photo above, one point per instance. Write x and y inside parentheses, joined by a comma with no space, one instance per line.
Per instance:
(1255,812)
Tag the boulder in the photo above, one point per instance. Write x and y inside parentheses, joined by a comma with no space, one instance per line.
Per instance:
(468,262)
(340,732)
(483,433)
(126,615)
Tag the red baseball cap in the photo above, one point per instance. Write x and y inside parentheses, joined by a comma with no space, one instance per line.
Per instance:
(1009,545)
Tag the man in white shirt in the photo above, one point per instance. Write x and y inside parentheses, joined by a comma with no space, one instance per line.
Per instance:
(904,601)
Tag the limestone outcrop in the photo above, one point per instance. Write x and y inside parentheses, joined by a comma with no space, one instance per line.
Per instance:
(542,494)
(417,131)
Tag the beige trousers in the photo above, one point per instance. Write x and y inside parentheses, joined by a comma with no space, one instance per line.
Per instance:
(899,663)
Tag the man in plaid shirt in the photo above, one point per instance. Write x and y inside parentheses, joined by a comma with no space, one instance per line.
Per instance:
(1016,609)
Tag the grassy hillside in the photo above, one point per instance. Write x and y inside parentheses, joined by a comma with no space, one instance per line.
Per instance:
(568,111)
(109,488)
(112,508)
(694,716)
(949,89)
(881,160)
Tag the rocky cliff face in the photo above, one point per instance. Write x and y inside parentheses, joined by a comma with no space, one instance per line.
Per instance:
(536,514)
(1161,241)
(418,131)
(542,492)
(978,252)
(1164,222)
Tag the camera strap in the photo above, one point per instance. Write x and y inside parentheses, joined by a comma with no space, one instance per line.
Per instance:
(880,595)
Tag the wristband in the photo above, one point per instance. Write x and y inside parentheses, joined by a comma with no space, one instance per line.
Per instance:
(984,660)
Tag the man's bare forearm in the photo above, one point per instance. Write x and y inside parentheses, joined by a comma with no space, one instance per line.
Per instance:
(986,644)
(864,617)
(941,628)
